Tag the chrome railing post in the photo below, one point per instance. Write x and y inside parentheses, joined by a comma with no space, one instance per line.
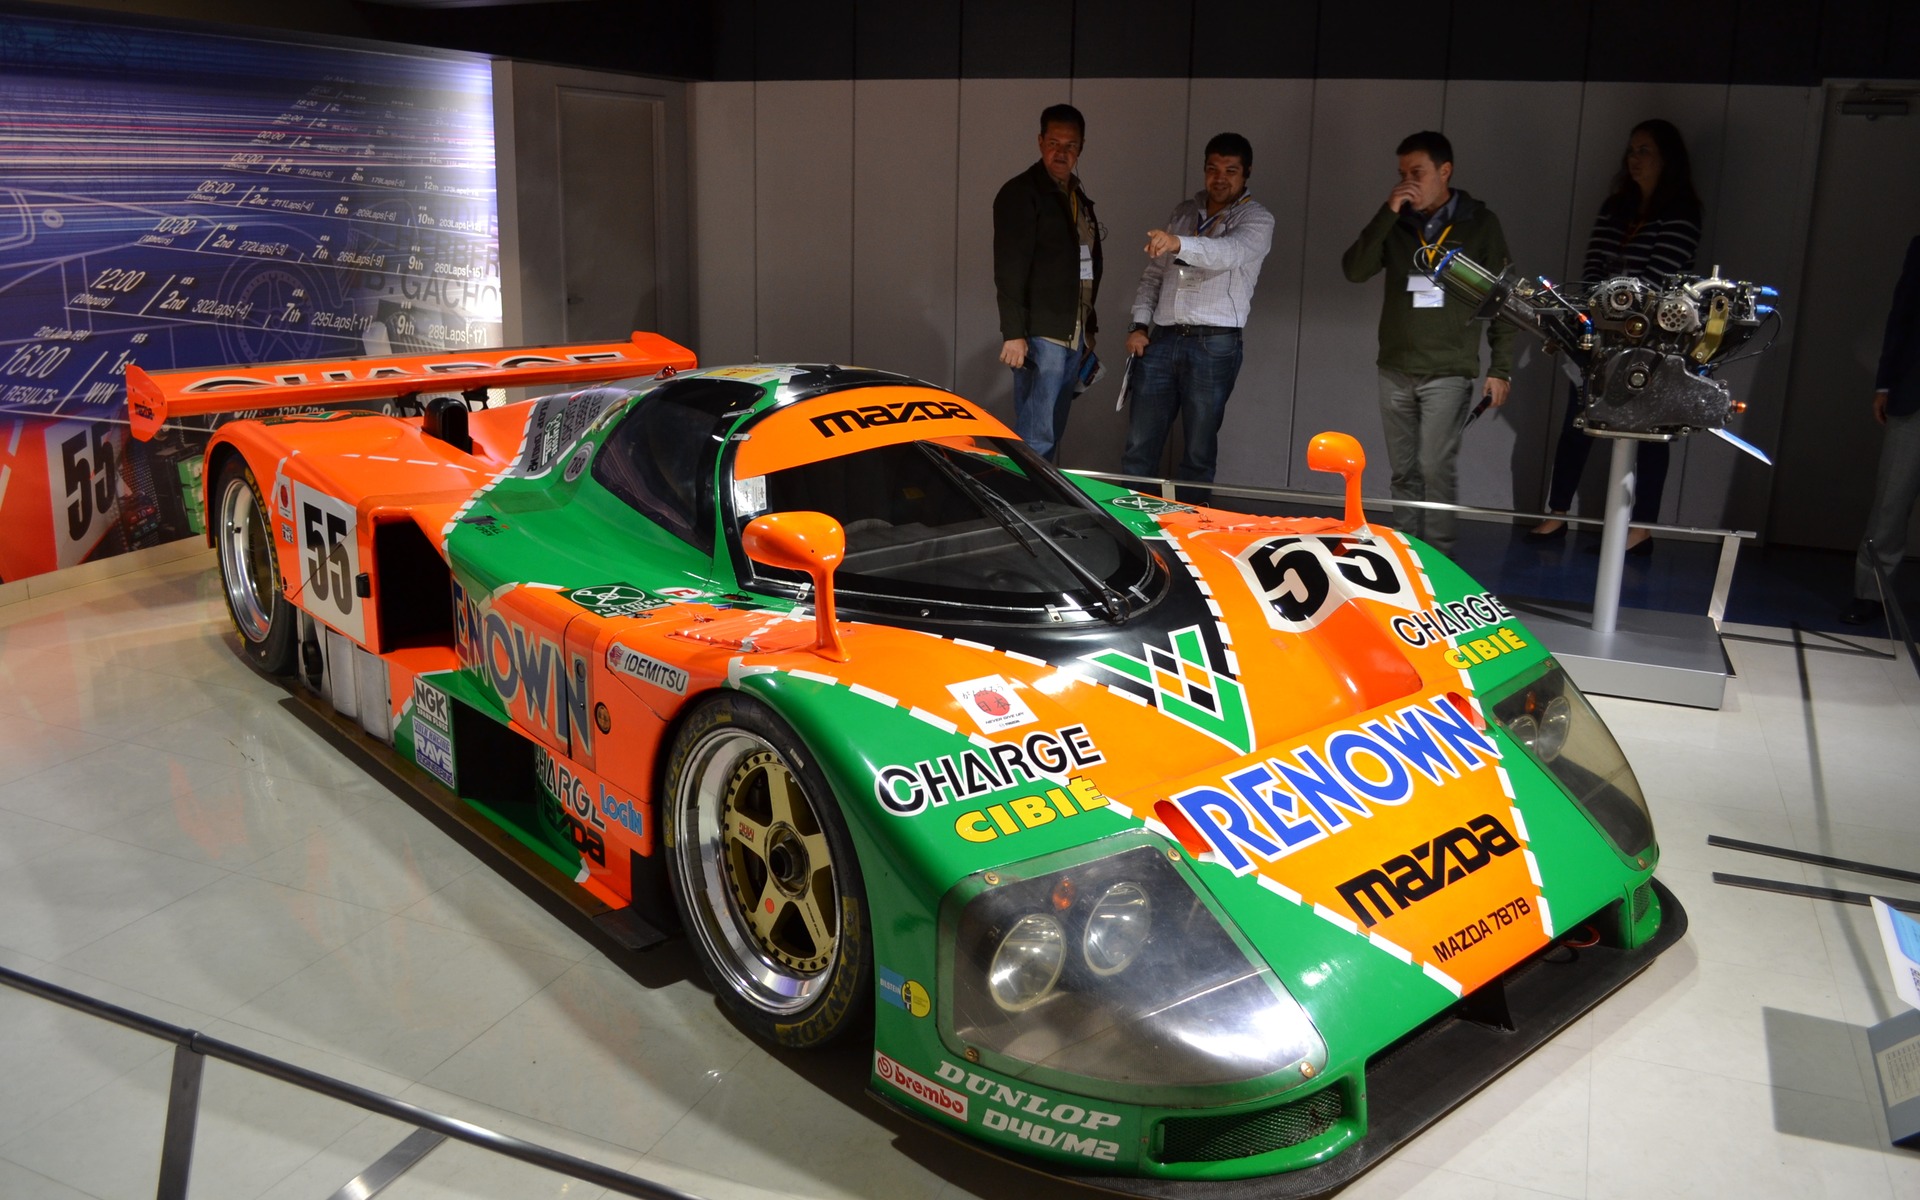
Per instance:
(183,1116)
(1621,487)
(1723,576)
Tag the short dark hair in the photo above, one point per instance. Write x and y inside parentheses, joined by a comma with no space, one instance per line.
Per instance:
(1435,144)
(1234,144)
(1063,114)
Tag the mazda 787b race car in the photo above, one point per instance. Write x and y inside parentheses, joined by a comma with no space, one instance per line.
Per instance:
(1168,848)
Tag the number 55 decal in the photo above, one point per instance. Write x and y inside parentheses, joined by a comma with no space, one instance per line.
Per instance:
(329,560)
(1303,579)
(84,481)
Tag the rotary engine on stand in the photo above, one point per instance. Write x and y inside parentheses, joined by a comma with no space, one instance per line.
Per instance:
(1646,354)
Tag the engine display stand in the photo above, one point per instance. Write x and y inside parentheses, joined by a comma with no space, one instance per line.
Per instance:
(1670,658)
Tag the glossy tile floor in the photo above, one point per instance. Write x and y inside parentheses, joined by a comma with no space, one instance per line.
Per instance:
(174,839)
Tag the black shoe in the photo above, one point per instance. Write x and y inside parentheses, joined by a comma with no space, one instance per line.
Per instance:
(1637,550)
(1534,535)
(1862,612)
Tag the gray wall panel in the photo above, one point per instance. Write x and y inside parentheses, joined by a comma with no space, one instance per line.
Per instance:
(865,212)
(803,219)
(999,138)
(723,221)
(1511,150)
(1609,113)
(534,208)
(1772,139)
(1276,115)
(1133,171)
(905,135)
(1830,445)
(1356,125)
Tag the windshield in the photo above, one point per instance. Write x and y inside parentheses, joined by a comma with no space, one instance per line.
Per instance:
(972,521)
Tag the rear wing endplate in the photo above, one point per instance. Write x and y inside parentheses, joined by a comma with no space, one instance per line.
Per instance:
(155,397)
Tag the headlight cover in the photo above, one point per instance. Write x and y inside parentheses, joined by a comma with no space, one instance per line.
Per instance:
(1153,991)
(1549,717)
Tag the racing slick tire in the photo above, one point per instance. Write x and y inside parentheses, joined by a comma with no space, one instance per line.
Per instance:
(250,569)
(765,877)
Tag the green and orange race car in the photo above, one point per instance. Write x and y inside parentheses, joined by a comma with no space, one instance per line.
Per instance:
(1160,846)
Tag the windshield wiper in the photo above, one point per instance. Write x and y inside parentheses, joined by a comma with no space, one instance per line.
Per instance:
(1112,603)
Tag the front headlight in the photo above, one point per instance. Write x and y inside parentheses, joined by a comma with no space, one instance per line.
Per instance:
(1027,963)
(1113,970)
(1553,721)
(1117,929)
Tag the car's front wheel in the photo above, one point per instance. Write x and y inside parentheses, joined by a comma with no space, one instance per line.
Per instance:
(250,569)
(765,876)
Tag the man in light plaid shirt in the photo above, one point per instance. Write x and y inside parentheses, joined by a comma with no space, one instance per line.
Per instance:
(1192,303)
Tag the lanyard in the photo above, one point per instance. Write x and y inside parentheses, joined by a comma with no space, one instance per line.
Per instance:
(1431,250)
(1244,197)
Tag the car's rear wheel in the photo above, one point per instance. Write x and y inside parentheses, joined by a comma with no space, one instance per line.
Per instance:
(250,569)
(765,876)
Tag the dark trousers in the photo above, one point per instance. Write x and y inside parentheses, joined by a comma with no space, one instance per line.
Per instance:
(1570,459)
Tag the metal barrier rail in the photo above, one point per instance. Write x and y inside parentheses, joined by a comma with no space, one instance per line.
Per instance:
(192,1048)
(1890,608)
(1729,539)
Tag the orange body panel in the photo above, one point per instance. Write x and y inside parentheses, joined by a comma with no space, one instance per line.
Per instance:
(156,397)
(844,422)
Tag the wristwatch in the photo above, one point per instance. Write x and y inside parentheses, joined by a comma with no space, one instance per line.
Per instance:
(1137,327)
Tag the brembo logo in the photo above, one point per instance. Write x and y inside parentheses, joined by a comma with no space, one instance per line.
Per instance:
(925,1090)
(1409,878)
(849,419)
(224,383)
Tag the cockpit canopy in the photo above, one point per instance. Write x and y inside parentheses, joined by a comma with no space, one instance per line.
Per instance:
(946,513)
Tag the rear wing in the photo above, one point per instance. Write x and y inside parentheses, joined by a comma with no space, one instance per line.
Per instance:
(156,397)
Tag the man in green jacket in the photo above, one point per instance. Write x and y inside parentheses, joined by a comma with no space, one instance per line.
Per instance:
(1429,342)
(1046,273)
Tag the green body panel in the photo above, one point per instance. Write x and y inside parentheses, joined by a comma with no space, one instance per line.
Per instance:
(1360,998)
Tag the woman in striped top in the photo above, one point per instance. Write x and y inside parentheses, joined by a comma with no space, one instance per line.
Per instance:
(1648,228)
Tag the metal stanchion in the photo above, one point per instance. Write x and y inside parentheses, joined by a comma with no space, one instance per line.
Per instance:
(183,1118)
(1613,535)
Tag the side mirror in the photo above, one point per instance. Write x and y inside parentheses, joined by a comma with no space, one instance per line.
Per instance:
(1340,454)
(804,541)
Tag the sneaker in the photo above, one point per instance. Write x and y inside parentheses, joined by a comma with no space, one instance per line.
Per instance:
(1861,612)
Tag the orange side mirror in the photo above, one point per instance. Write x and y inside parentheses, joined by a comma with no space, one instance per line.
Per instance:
(804,541)
(1340,453)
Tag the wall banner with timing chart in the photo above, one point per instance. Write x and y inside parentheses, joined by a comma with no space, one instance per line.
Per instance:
(178,198)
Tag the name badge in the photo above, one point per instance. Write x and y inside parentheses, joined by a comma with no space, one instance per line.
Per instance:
(1086,263)
(1426,293)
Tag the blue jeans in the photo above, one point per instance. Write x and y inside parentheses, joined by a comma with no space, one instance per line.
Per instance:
(1188,376)
(1423,421)
(1042,394)
(1894,489)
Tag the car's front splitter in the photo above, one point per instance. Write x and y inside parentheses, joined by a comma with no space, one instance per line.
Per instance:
(1427,1075)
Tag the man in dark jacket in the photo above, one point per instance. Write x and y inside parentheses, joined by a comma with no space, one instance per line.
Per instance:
(1896,404)
(1429,342)
(1046,272)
